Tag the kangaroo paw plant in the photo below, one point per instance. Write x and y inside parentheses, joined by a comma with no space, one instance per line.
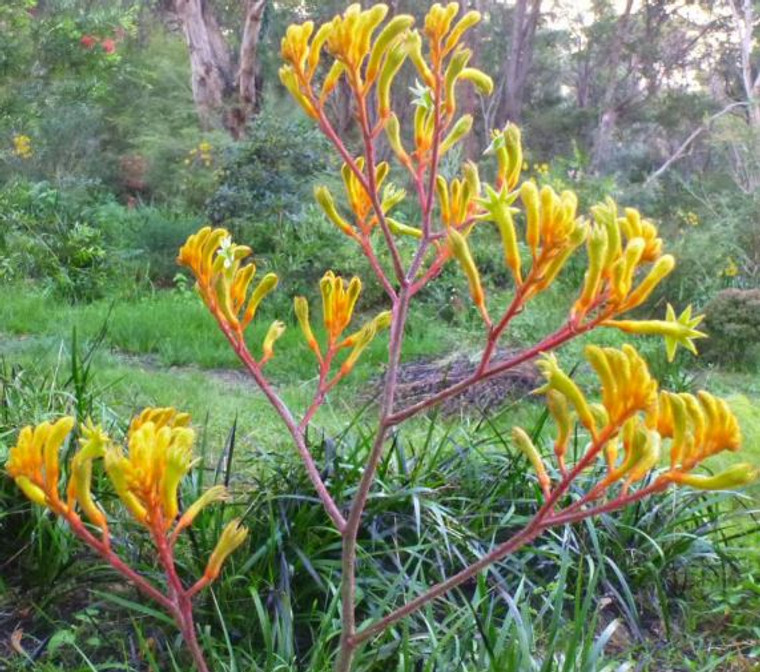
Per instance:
(628,432)
(146,478)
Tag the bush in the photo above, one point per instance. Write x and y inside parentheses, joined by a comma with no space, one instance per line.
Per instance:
(144,240)
(266,179)
(732,320)
(44,237)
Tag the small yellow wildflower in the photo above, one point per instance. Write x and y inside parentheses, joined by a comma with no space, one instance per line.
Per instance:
(202,154)
(691,218)
(22,146)
(731,270)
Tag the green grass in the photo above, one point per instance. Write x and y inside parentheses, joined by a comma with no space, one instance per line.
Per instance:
(180,331)
(445,491)
(165,349)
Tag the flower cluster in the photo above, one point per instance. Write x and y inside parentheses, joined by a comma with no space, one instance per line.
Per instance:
(730,270)
(22,146)
(689,218)
(91,41)
(363,217)
(372,64)
(634,423)
(338,303)
(202,155)
(224,282)
(146,477)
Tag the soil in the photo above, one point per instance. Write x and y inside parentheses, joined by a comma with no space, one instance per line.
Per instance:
(422,378)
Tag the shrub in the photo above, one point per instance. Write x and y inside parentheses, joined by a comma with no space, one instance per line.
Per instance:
(45,237)
(143,240)
(265,180)
(732,320)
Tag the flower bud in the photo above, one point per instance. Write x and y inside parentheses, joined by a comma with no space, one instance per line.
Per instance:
(32,491)
(414,46)
(393,62)
(393,133)
(662,268)
(301,307)
(268,284)
(324,198)
(735,476)
(233,535)
(558,380)
(461,250)
(331,81)
(482,82)
(276,329)
(597,252)
(394,28)
(462,127)
(360,341)
(455,67)
(400,229)
(560,411)
(530,199)
(216,493)
(526,447)
(464,24)
(289,80)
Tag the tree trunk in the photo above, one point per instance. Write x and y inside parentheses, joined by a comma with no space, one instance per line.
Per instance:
(248,69)
(601,151)
(225,96)
(517,64)
(744,19)
(209,61)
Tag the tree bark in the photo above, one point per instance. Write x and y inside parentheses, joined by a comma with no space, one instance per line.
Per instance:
(225,96)
(208,73)
(525,16)
(247,86)
(605,132)
(744,20)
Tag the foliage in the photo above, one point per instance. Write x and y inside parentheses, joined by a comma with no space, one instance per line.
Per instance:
(144,239)
(732,320)
(45,237)
(265,179)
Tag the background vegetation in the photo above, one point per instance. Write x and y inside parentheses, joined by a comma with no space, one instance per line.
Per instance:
(107,164)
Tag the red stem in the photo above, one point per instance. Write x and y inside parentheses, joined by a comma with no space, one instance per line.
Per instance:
(371,186)
(427,200)
(543,519)
(241,350)
(183,608)
(322,388)
(329,131)
(104,551)
(178,605)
